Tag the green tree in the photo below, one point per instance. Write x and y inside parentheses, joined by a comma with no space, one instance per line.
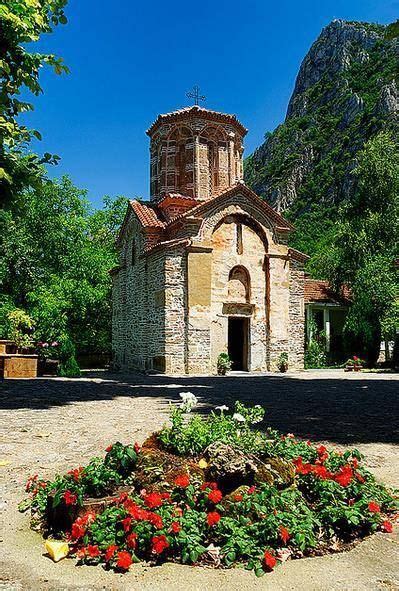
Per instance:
(21,23)
(365,245)
(57,252)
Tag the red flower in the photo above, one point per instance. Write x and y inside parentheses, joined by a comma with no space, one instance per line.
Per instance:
(355,463)
(110,551)
(93,551)
(344,476)
(126,523)
(386,526)
(322,453)
(213,518)
(70,498)
(211,485)
(355,358)
(124,560)
(30,482)
(183,480)
(251,490)
(284,533)
(131,507)
(374,507)
(175,527)
(321,472)
(108,449)
(136,447)
(215,496)
(131,540)
(165,496)
(155,519)
(269,559)
(302,468)
(76,473)
(159,544)
(238,497)
(153,500)
(81,553)
(78,528)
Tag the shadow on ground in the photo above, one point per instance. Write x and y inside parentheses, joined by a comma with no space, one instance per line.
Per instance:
(334,409)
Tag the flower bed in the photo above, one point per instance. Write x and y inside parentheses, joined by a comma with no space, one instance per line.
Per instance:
(212,491)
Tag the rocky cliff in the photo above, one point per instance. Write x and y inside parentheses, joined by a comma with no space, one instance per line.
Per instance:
(345,92)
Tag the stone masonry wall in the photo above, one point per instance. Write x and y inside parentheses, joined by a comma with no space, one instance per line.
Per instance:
(297,316)
(171,305)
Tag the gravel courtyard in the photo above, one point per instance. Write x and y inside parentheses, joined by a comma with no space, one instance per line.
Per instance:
(51,425)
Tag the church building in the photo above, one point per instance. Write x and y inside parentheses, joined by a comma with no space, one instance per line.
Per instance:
(204,265)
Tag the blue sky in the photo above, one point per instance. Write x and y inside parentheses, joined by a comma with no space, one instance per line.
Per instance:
(131,60)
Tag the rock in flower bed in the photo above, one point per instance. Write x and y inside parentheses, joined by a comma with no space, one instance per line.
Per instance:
(211,491)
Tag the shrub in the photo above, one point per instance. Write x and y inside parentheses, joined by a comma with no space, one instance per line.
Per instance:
(315,355)
(282,363)
(192,436)
(21,328)
(224,364)
(68,367)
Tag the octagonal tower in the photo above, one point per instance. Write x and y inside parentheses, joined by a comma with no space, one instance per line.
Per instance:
(195,152)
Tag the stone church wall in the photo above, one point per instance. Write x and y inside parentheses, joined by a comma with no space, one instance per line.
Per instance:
(297,316)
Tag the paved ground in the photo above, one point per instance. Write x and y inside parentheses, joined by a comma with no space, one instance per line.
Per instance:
(50,425)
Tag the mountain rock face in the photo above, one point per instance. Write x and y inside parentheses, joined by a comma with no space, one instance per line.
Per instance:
(346,91)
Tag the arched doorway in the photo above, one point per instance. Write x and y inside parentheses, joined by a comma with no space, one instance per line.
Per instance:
(238,327)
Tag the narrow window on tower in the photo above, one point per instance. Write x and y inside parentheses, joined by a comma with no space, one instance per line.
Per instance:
(239,238)
(133,259)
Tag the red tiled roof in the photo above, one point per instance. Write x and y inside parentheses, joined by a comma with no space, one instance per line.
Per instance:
(239,187)
(298,255)
(196,111)
(147,215)
(319,291)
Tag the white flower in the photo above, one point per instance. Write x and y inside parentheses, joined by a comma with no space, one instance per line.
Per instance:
(238,417)
(222,408)
(254,421)
(189,400)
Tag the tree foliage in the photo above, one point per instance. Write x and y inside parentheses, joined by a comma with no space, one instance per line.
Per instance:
(364,245)
(57,252)
(21,23)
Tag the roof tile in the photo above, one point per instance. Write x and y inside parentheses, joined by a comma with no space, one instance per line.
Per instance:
(319,291)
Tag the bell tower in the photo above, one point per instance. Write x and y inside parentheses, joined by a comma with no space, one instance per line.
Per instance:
(195,152)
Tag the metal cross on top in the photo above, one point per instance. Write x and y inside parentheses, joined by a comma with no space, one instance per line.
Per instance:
(195,94)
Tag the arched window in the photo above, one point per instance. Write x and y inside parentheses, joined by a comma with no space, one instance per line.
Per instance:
(239,288)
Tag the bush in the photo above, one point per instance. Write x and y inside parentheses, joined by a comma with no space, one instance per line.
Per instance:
(224,364)
(68,367)
(21,327)
(315,355)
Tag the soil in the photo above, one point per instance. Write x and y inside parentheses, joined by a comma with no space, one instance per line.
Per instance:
(50,425)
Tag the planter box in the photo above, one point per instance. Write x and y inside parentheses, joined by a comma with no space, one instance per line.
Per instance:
(18,366)
(353,368)
(7,347)
(47,367)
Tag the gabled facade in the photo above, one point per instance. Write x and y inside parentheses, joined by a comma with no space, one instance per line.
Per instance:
(204,265)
